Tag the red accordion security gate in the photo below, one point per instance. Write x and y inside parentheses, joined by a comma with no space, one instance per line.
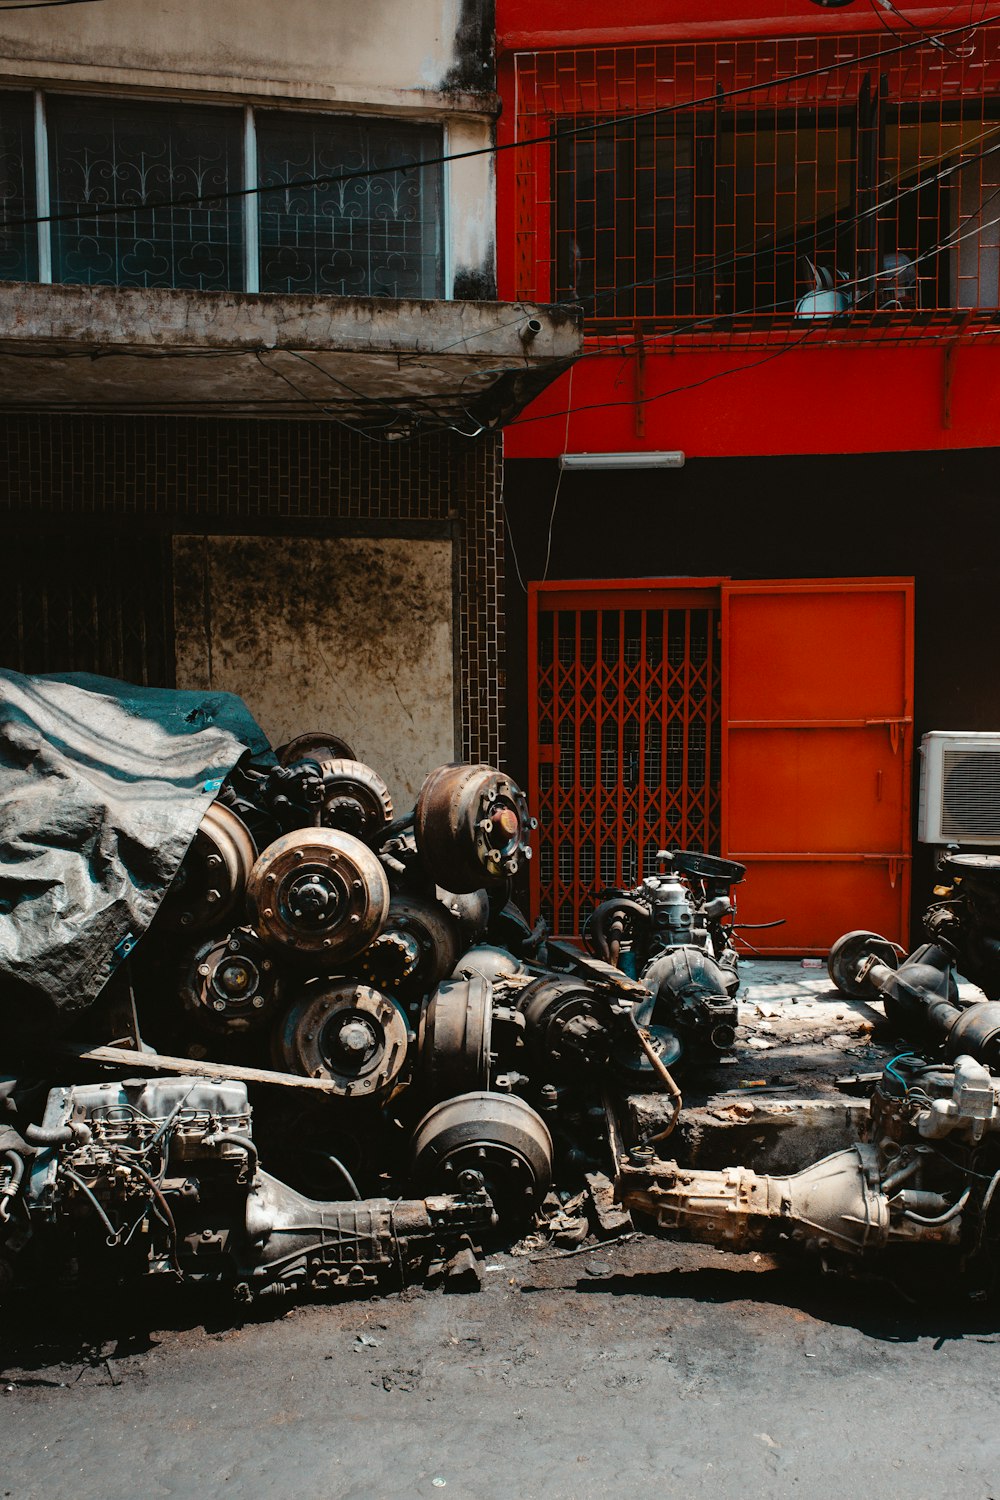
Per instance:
(625,752)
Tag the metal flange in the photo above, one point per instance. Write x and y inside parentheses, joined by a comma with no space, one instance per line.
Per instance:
(845,959)
(416,949)
(317,895)
(228,986)
(346,1034)
(355,799)
(472,826)
(568,1025)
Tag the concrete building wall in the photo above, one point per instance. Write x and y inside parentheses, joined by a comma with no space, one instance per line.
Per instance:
(316,572)
(320,49)
(348,634)
(323,574)
(429,59)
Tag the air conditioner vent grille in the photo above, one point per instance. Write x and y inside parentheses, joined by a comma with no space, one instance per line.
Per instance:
(971,801)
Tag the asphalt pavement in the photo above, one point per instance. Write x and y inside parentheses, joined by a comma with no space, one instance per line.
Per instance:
(634,1367)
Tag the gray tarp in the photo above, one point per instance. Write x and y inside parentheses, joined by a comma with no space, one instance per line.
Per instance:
(102,788)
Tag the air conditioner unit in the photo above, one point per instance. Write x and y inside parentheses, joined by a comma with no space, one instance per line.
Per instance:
(959,788)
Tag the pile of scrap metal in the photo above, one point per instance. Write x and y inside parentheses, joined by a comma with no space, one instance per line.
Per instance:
(216,958)
(929,1171)
(346,995)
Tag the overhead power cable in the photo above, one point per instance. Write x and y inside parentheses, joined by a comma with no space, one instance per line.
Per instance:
(46,4)
(190,200)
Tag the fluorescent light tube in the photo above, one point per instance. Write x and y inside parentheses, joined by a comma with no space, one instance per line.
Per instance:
(666,460)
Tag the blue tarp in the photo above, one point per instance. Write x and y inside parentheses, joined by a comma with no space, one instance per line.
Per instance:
(102,787)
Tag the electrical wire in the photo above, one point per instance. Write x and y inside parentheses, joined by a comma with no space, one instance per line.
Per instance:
(305,396)
(45,4)
(510,534)
(952,239)
(718,263)
(393,419)
(691,385)
(984,1208)
(327,180)
(345,1175)
(555,497)
(750,252)
(114,1235)
(930,37)
(890,1069)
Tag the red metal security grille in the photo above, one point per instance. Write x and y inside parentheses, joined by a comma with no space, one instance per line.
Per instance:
(746,199)
(625,750)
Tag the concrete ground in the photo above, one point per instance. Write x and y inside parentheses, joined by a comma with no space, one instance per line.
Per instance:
(632,1366)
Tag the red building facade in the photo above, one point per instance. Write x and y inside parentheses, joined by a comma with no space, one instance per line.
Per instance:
(784,232)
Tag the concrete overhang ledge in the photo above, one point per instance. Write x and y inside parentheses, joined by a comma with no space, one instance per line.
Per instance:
(86,348)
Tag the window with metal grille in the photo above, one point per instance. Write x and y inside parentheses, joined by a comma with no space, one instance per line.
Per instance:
(374,235)
(138,155)
(785,183)
(18,248)
(129,186)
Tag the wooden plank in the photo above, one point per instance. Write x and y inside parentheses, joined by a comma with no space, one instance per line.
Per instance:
(155,1062)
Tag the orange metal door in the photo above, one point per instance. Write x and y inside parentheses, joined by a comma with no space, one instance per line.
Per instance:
(817,710)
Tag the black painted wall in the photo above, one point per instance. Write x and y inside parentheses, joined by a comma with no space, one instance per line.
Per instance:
(934,516)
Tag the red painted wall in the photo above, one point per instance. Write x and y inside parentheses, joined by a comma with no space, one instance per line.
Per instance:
(718,400)
(532,24)
(848,399)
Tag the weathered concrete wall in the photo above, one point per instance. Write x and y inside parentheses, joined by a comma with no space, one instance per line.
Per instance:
(324,49)
(428,58)
(353,635)
(368,348)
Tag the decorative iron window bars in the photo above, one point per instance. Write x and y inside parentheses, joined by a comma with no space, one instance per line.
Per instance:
(66,159)
(18,243)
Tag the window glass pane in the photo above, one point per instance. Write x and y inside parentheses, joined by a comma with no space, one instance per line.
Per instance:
(117,151)
(792,208)
(625,216)
(377,235)
(18,242)
(939,214)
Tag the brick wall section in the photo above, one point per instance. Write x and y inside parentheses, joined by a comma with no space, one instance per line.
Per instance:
(184,473)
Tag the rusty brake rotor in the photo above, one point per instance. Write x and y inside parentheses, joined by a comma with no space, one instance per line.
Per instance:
(318,895)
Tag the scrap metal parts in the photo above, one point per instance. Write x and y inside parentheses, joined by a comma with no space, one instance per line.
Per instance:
(928,1176)
(963,935)
(455,1037)
(211,883)
(472,826)
(162,1176)
(318,895)
(494,1141)
(420,943)
(230,984)
(355,799)
(352,1036)
(674,934)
